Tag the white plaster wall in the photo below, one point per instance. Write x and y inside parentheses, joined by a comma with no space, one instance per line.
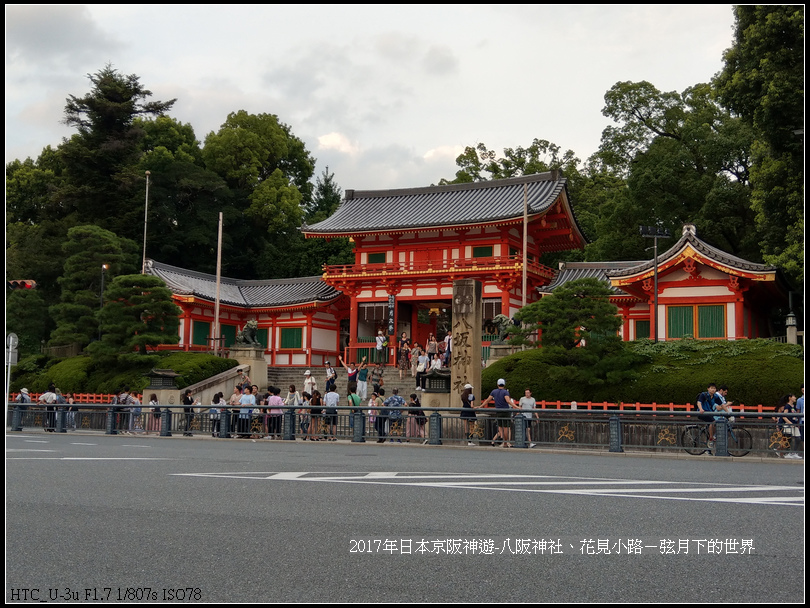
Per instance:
(661,327)
(323,339)
(692,292)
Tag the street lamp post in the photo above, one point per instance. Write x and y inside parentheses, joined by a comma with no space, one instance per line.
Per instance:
(654,232)
(101,296)
(145,213)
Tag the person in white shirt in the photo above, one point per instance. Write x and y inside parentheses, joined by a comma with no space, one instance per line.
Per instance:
(528,403)
(310,385)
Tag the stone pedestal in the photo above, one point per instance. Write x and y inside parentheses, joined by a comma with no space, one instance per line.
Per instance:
(253,358)
(499,351)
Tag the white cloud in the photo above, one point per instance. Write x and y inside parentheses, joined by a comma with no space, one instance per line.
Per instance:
(374,91)
(442,153)
(339,142)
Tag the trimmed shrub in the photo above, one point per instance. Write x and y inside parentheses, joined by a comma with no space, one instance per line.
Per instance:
(69,375)
(85,374)
(756,371)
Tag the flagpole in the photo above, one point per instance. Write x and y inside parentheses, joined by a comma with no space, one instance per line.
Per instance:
(219,274)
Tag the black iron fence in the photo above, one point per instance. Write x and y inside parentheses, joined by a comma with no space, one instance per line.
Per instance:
(616,431)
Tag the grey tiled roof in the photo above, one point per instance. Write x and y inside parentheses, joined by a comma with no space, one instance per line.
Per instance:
(452,205)
(689,237)
(570,271)
(238,292)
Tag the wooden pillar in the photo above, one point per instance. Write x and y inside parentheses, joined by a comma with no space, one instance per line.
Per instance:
(626,323)
(271,339)
(353,311)
(739,318)
(505,303)
(414,320)
(186,328)
(308,344)
(653,321)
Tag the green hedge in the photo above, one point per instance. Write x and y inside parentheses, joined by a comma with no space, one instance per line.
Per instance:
(86,375)
(756,371)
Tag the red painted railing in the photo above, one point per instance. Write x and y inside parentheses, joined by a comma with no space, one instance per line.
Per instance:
(472,265)
(94,398)
(78,398)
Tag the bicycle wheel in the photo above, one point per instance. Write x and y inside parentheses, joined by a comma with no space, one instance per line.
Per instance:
(739,442)
(693,440)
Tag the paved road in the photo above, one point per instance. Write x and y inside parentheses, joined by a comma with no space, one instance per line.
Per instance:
(94,517)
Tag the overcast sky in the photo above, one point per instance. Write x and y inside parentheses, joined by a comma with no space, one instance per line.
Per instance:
(386,96)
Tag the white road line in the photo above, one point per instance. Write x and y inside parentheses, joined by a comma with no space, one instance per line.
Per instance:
(667,490)
(26,450)
(132,445)
(36,441)
(77,458)
(83,444)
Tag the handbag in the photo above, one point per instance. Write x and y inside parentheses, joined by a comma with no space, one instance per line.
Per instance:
(790,430)
(420,368)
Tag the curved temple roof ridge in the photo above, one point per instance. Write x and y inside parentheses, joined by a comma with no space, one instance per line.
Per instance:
(244,292)
(446,206)
(689,238)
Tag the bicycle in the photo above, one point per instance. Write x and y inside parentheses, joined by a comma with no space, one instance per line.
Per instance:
(695,440)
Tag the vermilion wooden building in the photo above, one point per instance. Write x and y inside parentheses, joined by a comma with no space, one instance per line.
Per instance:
(703,292)
(409,247)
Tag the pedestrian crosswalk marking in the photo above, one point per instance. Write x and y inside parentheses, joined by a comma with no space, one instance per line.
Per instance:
(759,494)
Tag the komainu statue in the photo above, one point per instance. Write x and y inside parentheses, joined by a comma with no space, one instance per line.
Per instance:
(248,334)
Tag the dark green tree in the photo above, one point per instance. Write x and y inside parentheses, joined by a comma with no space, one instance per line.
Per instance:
(763,82)
(325,199)
(268,170)
(31,186)
(574,312)
(169,134)
(185,199)
(578,328)
(138,312)
(684,160)
(86,250)
(100,160)
(481,164)
(25,312)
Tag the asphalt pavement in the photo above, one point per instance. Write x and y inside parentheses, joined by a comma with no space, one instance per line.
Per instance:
(92,517)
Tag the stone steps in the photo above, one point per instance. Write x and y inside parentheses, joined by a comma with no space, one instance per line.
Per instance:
(283,377)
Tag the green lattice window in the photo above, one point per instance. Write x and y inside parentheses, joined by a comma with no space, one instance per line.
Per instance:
(229,333)
(707,321)
(199,333)
(711,321)
(642,329)
(482,252)
(291,337)
(376,258)
(680,321)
